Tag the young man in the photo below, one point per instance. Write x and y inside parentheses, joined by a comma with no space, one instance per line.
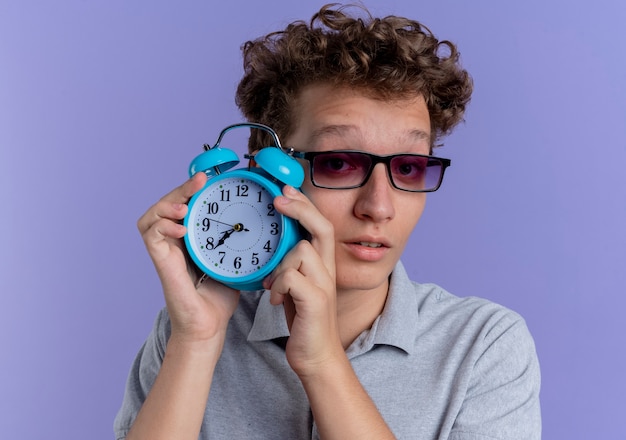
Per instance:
(341,344)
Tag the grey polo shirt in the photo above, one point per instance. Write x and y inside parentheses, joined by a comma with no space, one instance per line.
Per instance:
(437,367)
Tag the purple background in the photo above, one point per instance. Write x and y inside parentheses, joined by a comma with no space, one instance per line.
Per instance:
(104,103)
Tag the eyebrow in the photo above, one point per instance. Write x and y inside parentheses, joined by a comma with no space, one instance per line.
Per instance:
(338,129)
(330,130)
(419,135)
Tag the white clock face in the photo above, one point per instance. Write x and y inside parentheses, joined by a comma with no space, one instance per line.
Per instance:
(233,226)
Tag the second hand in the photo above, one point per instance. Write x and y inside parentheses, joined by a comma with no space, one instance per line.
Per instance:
(238,227)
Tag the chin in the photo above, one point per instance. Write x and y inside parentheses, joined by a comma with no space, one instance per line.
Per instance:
(362,279)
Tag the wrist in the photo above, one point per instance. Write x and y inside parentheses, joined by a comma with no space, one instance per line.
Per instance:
(325,371)
(197,348)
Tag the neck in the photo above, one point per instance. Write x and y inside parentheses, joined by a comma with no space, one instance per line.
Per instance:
(357,310)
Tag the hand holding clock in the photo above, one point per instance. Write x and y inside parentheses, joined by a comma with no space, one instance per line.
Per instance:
(197,314)
(304,282)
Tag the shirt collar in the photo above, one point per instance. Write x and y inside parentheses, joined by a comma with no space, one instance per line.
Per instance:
(269,321)
(396,326)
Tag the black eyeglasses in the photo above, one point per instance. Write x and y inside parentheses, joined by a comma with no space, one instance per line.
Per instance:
(351,169)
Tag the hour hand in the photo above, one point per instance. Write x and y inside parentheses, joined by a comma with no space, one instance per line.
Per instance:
(224,236)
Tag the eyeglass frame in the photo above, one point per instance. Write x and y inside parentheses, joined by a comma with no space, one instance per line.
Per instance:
(309,156)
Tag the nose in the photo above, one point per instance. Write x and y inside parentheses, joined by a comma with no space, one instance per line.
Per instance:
(375,198)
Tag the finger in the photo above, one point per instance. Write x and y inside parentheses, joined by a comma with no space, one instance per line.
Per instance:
(286,287)
(172,205)
(302,297)
(159,238)
(280,294)
(298,274)
(297,206)
(162,210)
(183,193)
(164,229)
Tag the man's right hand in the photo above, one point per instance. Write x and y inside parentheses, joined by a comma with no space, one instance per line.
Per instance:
(198,310)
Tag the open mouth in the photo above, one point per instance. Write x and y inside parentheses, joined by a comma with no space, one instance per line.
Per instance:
(369,244)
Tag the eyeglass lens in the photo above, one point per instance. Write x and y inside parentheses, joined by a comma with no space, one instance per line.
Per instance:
(351,169)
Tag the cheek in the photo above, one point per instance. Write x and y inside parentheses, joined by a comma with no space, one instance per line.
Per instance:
(332,204)
(414,211)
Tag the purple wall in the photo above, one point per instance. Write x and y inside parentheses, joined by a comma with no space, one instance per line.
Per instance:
(104,103)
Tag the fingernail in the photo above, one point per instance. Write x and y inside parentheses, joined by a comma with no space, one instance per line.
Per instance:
(288,189)
(282,200)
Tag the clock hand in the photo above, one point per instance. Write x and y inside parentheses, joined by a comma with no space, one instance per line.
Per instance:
(224,236)
(238,227)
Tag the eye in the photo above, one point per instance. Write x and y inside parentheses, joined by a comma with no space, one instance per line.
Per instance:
(335,163)
(409,167)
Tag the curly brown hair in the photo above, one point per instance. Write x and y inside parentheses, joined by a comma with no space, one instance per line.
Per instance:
(388,58)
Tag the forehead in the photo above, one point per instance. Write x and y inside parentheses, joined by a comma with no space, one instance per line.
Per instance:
(330,118)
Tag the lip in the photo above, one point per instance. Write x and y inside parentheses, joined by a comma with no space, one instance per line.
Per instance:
(367,253)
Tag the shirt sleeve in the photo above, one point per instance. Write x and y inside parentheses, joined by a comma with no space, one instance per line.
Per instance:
(502,400)
(142,375)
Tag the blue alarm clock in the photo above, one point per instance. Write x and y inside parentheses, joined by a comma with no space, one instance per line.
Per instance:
(234,233)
